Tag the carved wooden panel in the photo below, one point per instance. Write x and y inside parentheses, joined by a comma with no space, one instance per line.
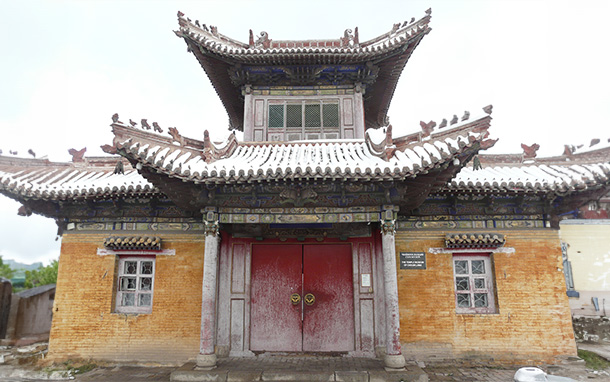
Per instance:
(366,268)
(237,325)
(238,271)
(367,325)
(259,113)
(348,112)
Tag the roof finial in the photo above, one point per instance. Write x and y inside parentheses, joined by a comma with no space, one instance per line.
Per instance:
(157,128)
(488,109)
(77,156)
(427,127)
(529,152)
(429,11)
(115,118)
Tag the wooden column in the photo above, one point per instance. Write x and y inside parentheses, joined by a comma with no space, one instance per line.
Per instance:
(207,355)
(394,358)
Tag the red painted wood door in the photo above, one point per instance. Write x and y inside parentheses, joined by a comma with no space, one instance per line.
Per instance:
(276,273)
(328,323)
(324,323)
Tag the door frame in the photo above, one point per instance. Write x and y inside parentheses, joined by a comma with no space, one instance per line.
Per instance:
(233,310)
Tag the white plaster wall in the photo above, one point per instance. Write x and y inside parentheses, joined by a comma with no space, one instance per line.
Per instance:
(589,253)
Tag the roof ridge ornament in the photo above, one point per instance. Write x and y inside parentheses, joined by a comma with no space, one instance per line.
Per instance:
(212,153)
(529,152)
(262,42)
(77,155)
(350,39)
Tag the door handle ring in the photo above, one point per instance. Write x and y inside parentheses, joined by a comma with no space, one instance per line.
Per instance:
(309,299)
(295,298)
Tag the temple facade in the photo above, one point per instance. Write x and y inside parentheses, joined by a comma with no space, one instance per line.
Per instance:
(318,232)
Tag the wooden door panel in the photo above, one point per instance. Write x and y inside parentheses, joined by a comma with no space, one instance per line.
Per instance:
(276,273)
(328,324)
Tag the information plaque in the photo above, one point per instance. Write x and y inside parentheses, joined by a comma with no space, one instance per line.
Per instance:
(412,260)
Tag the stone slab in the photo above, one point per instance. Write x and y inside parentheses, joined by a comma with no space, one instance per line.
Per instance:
(411,374)
(352,376)
(287,375)
(188,373)
(244,376)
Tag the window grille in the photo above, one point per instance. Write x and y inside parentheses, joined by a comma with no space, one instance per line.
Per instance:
(135,284)
(473,284)
(330,114)
(294,116)
(276,115)
(312,116)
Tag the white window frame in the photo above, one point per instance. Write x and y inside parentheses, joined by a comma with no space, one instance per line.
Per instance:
(475,289)
(139,290)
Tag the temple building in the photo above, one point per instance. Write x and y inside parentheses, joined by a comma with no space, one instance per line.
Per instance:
(319,231)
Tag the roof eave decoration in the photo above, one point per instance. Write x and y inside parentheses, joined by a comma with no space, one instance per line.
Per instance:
(89,178)
(234,162)
(133,243)
(385,56)
(139,141)
(474,240)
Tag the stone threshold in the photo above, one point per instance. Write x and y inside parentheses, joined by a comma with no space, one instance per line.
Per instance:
(284,369)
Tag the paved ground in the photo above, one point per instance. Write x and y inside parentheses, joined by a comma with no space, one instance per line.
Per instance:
(438,372)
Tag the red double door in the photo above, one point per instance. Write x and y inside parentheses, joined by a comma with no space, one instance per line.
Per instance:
(302,298)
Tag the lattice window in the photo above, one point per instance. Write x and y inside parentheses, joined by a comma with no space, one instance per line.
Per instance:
(312,116)
(135,284)
(294,115)
(276,115)
(330,114)
(473,280)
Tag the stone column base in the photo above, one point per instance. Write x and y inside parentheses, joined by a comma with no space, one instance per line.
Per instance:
(391,361)
(206,361)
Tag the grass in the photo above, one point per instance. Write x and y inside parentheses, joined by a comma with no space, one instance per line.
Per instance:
(79,367)
(593,361)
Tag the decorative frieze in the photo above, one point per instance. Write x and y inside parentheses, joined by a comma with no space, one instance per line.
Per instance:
(129,243)
(472,222)
(474,240)
(299,215)
(135,224)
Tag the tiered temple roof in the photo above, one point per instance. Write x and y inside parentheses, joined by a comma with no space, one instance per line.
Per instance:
(376,63)
(193,174)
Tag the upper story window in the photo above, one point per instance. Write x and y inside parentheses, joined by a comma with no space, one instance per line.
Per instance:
(135,284)
(287,114)
(308,115)
(474,284)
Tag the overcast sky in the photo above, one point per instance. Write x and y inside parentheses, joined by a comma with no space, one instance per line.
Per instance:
(67,66)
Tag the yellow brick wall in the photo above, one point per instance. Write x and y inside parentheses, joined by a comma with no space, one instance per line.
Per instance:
(84,325)
(533,319)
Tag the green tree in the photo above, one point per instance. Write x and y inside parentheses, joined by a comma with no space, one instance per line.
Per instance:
(42,276)
(5,270)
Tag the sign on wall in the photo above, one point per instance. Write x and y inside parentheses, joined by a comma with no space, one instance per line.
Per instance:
(412,260)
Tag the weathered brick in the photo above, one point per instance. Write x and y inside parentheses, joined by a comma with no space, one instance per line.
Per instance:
(84,325)
(533,319)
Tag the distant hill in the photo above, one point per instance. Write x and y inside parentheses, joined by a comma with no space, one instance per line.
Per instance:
(26,267)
